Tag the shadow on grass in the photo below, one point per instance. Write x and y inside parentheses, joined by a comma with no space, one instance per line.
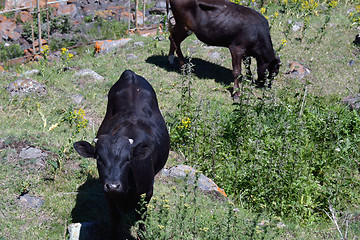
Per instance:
(92,211)
(202,69)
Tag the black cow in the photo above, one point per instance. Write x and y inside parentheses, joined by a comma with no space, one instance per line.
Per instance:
(222,23)
(131,146)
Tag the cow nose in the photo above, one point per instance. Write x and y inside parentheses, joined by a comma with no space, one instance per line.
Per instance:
(112,187)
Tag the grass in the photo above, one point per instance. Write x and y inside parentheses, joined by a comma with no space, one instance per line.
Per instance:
(247,147)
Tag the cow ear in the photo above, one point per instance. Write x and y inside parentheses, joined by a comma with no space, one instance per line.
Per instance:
(85,149)
(142,151)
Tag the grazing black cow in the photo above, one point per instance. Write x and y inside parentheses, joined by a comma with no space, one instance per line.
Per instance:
(222,23)
(131,146)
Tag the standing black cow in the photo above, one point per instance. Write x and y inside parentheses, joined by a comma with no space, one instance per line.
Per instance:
(222,23)
(131,146)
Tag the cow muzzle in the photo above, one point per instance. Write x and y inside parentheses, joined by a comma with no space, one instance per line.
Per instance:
(113,187)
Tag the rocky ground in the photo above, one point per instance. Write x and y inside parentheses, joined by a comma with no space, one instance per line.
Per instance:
(14,25)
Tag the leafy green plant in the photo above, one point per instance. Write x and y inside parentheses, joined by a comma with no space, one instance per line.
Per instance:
(65,58)
(9,52)
(61,24)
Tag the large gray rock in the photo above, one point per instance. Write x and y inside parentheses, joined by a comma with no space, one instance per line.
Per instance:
(107,46)
(29,201)
(192,176)
(25,86)
(88,73)
(32,153)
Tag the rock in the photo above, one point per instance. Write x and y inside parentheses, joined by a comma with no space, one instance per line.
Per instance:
(139,44)
(32,153)
(2,18)
(84,230)
(296,70)
(31,201)
(77,99)
(159,8)
(107,46)
(160,4)
(160,38)
(88,73)
(31,72)
(25,86)
(131,57)
(24,16)
(351,63)
(297,26)
(7,28)
(14,36)
(140,18)
(352,101)
(74,231)
(69,9)
(191,175)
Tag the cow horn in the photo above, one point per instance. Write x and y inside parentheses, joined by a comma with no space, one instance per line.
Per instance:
(95,140)
(131,141)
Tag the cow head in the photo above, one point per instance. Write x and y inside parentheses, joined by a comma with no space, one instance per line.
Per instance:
(114,157)
(274,67)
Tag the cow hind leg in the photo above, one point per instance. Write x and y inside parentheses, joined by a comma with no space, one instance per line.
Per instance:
(177,35)
(237,54)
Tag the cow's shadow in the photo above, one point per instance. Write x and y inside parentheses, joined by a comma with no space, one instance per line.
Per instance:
(202,69)
(91,211)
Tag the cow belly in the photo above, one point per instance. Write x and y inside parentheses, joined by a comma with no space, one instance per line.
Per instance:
(215,41)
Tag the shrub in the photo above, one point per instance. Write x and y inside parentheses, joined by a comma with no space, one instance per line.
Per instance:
(9,52)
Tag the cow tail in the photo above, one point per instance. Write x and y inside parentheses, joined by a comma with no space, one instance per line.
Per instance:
(167,8)
(170,27)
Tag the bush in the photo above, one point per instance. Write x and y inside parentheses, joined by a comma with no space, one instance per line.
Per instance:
(289,156)
(9,52)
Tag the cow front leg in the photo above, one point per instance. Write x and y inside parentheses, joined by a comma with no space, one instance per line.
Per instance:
(261,69)
(237,54)
(177,35)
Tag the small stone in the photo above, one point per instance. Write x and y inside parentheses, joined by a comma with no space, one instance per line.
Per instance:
(139,44)
(32,153)
(77,98)
(297,26)
(352,101)
(89,73)
(31,201)
(32,72)
(131,57)
(88,230)
(296,70)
